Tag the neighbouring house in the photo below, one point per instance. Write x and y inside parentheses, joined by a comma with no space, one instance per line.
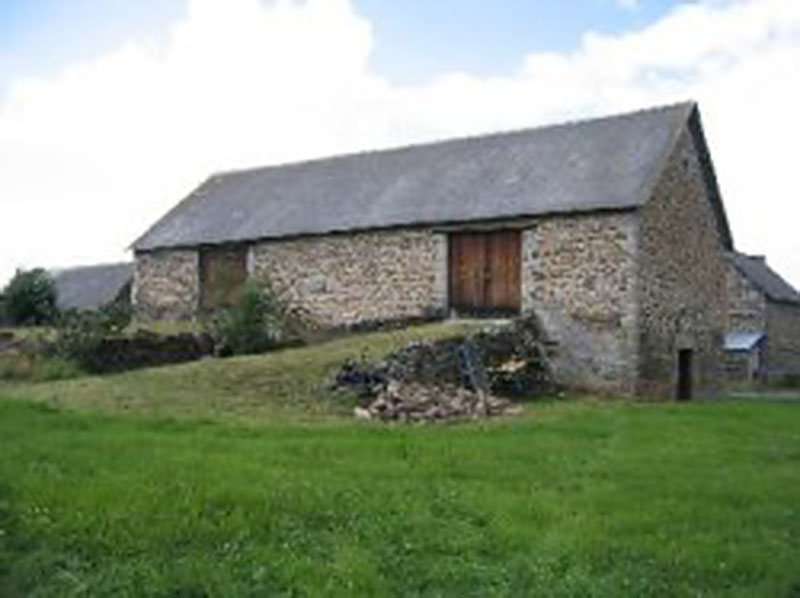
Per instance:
(763,339)
(92,287)
(611,230)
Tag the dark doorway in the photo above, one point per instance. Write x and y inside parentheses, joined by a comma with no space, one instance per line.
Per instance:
(223,273)
(685,374)
(485,272)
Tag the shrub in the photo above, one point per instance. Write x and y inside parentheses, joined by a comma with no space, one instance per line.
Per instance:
(788,382)
(115,317)
(80,333)
(30,298)
(258,322)
(3,317)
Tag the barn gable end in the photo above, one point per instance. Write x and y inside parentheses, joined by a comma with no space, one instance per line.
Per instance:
(682,273)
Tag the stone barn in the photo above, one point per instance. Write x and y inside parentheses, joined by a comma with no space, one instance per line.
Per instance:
(611,230)
(763,339)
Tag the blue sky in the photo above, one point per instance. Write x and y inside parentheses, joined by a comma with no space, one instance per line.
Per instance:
(111,111)
(419,38)
(416,39)
(41,36)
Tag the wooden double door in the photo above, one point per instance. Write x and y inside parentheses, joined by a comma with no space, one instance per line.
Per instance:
(484,272)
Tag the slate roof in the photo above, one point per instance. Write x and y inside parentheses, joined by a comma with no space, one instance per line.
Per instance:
(91,287)
(598,164)
(755,269)
(742,341)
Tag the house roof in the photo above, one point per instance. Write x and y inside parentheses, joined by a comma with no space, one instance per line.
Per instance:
(755,269)
(742,341)
(607,163)
(91,287)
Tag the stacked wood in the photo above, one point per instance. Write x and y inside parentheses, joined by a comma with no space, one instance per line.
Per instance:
(413,402)
(460,377)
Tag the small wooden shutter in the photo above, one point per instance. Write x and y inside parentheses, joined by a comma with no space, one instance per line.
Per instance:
(485,272)
(223,273)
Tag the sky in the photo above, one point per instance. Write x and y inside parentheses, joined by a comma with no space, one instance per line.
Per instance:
(111,111)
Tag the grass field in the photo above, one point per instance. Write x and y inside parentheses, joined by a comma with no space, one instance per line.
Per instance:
(258,490)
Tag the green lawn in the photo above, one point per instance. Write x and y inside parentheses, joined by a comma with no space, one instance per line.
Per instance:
(575,498)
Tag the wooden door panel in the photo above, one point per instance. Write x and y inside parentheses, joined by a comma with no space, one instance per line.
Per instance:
(467,257)
(503,252)
(454,270)
(495,285)
(223,273)
(485,271)
(473,264)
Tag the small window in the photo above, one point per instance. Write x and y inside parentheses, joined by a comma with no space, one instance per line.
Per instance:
(223,274)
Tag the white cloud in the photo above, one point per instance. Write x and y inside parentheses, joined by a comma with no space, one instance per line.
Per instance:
(90,158)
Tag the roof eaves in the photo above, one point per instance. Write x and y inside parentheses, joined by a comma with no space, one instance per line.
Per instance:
(134,246)
(436,224)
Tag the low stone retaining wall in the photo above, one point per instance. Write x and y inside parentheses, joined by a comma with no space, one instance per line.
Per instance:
(147,349)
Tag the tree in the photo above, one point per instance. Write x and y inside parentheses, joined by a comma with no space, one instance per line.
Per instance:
(30,298)
(3,316)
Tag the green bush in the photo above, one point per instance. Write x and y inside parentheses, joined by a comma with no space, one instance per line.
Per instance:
(79,333)
(30,298)
(115,317)
(258,322)
(4,321)
(788,382)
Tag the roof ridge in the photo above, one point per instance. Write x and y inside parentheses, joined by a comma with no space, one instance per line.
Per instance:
(55,270)
(688,104)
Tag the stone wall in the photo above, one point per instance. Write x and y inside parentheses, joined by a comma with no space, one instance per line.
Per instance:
(358,277)
(683,293)
(747,305)
(783,339)
(166,284)
(579,277)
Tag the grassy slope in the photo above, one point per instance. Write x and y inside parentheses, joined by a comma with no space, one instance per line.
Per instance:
(283,384)
(572,500)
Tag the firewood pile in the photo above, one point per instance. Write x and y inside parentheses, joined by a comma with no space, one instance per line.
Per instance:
(462,377)
(413,402)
